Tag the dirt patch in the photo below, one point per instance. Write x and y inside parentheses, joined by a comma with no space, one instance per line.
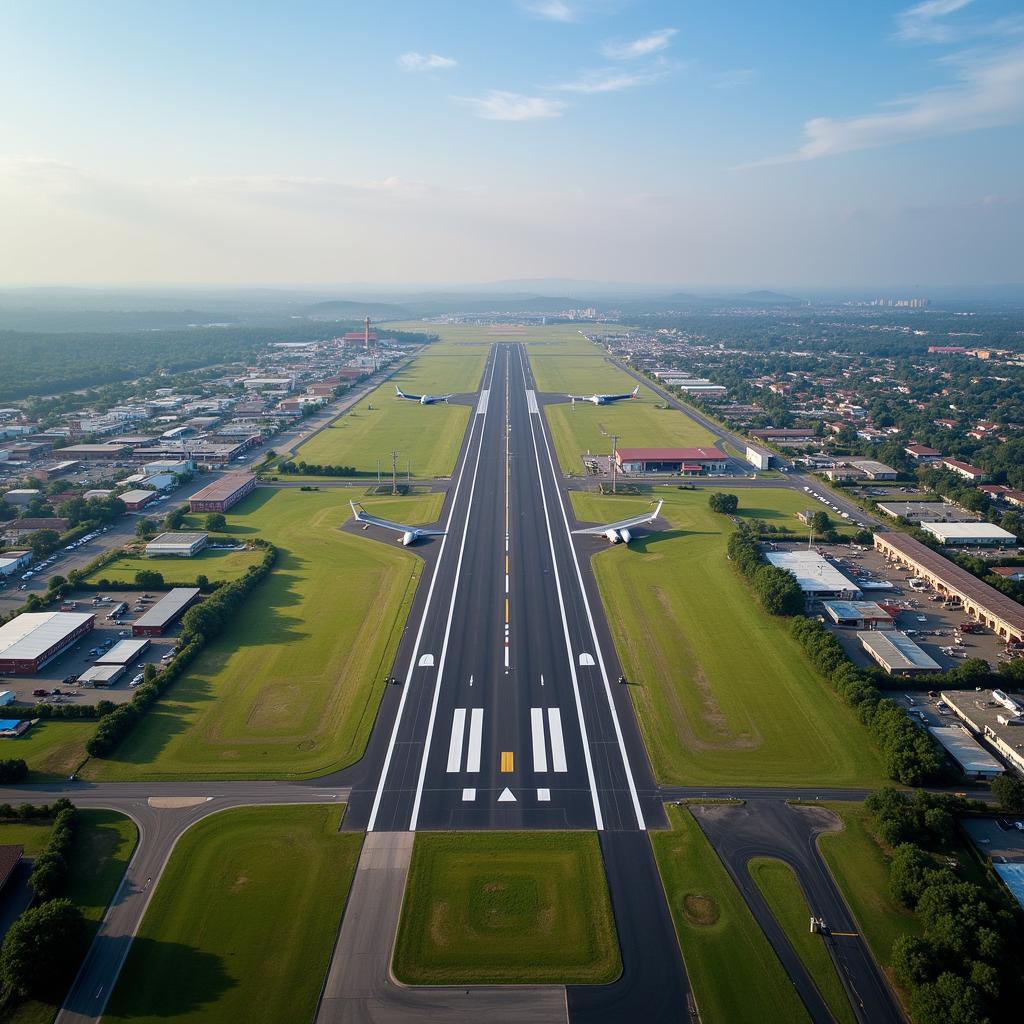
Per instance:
(700,910)
(819,819)
(439,924)
(241,884)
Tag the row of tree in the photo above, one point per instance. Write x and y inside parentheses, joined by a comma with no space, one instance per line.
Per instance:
(776,588)
(302,468)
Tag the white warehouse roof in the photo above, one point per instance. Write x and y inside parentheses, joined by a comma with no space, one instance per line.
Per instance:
(969,531)
(972,757)
(815,574)
(124,652)
(32,634)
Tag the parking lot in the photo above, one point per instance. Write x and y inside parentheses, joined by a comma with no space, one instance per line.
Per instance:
(932,626)
(998,838)
(80,656)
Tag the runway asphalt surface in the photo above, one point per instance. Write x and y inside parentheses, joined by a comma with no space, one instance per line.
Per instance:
(508,715)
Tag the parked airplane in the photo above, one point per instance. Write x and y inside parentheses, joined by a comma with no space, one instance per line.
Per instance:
(619,532)
(410,534)
(605,399)
(422,399)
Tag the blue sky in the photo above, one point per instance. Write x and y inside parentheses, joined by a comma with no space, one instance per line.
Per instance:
(691,143)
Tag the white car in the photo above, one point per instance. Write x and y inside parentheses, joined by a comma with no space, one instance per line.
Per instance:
(137,680)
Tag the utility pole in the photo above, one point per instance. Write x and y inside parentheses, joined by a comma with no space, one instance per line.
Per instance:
(378,471)
(615,445)
(394,472)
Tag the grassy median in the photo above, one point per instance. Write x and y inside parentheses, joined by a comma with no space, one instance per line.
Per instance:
(243,921)
(291,687)
(724,695)
(735,975)
(506,908)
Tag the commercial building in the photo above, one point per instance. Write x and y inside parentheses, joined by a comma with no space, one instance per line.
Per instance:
(223,493)
(30,640)
(819,579)
(971,757)
(12,561)
(874,470)
(922,453)
(102,675)
(165,612)
(859,614)
(177,545)
(966,470)
(1003,615)
(974,534)
(897,654)
(933,511)
(784,434)
(94,452)
(135,500)
(759,458)
(994,716)
(124,652)
(21,495)
(677,461)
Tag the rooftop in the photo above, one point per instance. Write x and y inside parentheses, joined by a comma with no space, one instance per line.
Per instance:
(168,606)
(177,539)
(814,573)
(222,488)
(671,454)
(898,651)
(965,749)
(30,635)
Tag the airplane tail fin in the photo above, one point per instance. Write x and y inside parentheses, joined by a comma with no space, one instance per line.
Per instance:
(398,392)
(356,509)
(636,390)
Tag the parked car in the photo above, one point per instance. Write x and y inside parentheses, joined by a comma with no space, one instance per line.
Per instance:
(136,680)
(40,693)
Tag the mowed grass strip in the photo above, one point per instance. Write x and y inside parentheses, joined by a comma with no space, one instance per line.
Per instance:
(243,921)
(291,687)
(495,908)
(584,372)
(778,506)
(214,565)
(723,694)
(785,899)
(736,976)
(53,748)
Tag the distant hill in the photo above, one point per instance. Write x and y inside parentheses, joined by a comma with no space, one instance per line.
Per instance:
(770,298)
(345,309)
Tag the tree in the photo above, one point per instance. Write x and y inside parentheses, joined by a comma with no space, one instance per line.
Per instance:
(821,523)
(727,504)
(912,960)
(42,948)
(907,873)
(149,578)
(43,542)
(149,673)
(215,522)
(13,769)
(1009,791)
(202,581)
(778,591)
(56,581)
(175,518)
(145,528)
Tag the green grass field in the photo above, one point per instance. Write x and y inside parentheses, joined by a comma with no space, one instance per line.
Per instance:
(103,845)
(291,688)
(779,506)
(723,694)
(506,908)
(736,977)
(52,748)
(214,565)
(785,899)
(243,921)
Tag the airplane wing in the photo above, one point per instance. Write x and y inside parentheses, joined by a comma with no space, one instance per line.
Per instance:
(623,524)
(386,524)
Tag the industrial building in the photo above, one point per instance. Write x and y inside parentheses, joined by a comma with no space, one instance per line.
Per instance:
(94,452)
(784,434)
(859,614)
(177,545)
(819,579)
(897,654)
(971,757)
(874,470)
(124,652)
(165,612)
(30,640)
(993,715)
(21,495)
(965,469)
(973,534)
(12,561)
(223,493)
(102,675)
(933,511)
(135,500)
(677,461)
(759,458)
(1003,615)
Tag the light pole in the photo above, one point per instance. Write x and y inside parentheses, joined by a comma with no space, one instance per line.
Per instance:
(615,445)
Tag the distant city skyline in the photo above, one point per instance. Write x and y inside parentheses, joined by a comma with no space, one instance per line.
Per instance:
(759,143)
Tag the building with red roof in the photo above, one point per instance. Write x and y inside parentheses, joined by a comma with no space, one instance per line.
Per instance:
(674,461)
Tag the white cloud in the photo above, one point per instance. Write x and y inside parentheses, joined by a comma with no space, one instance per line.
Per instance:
(735,78)
(498,105)
(923,23)
(550,10)
(615,80)
(642,47)
(989,92)
(425,62)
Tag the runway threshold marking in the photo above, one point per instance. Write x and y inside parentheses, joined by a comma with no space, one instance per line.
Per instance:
(558,762)
(540,750)
(455,744)
(543,795)
(507,761)
(468,795)
(476,731)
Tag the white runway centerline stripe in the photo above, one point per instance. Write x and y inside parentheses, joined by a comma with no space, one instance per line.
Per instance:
(455,746)
(557,743)
(476,733)
(540,752)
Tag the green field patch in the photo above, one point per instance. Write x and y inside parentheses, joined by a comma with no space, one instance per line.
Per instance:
(584,374)
(723,694)
(735,975)
(778,506)
(785,899)
(506,908)
(291,687)
(216,566)
(53,748)
(243,921)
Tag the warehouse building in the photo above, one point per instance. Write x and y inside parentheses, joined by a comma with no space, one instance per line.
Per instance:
(676,461)
(22,495)
(223,493)
(933,511)
(94,452)
(1003,615)
(970,756)
(124,652)
(993,715)
(972,534)
(897,654)
(759,458)
(177,545)
(31,640)
(135,500)
(859,614)
(165,612)
(13,561)
(102,675)
(819,579)
(874,470)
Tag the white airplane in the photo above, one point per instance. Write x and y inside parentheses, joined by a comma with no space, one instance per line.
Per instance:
(604,399)
(422,399)
(619,532)
(410,534)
